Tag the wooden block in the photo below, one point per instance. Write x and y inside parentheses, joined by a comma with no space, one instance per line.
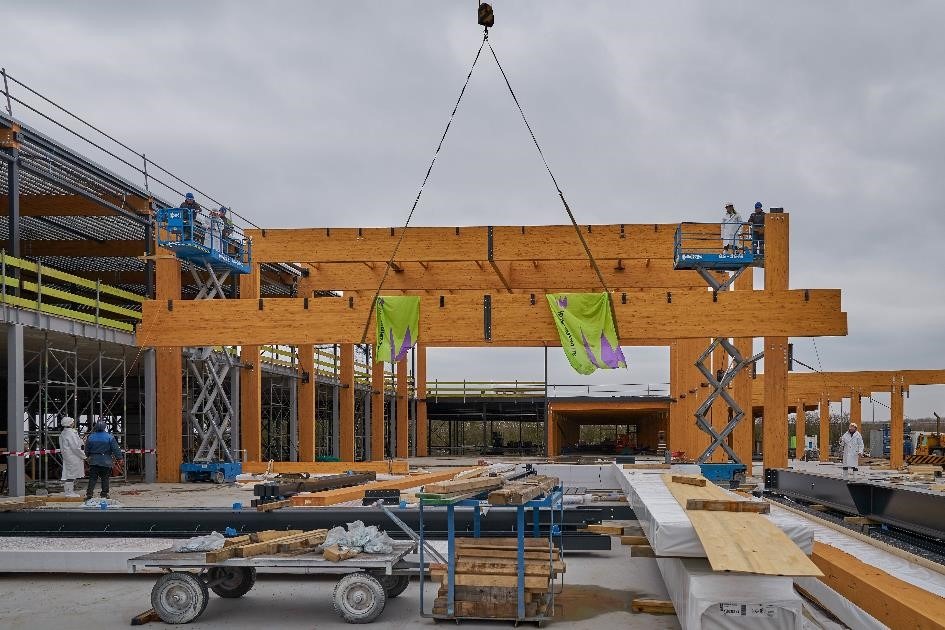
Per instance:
(646,466)
(220,555)
(336,553)
(724,505)
(641,551)
(273,505)
(61,498)
(600,528)
(237,540)
(272,534)
(692,481)
(269,546)
(146,617)
(317,537)
(653,606)
(474,552)
(633,540)
(533,583)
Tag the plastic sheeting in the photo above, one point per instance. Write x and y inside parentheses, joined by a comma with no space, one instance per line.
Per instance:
(845,610)
(706,600)
(664,521)
(210,542)
(368,539)
(590,476)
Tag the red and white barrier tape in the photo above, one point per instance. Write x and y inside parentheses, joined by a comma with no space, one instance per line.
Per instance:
(53,451)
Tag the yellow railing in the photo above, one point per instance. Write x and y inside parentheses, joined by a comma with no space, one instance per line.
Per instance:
(92,308)
(326,364)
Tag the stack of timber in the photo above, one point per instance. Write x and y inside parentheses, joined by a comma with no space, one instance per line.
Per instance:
(486,578)
(279,490)
(459,488)
(735,535)
(269,542)
(342,495)
(385,466)
(523,490)
(21,503)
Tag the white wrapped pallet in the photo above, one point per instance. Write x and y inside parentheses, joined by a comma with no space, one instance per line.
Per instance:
(707,600)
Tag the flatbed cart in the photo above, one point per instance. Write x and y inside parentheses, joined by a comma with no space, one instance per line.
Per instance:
(552,501)
(367,580)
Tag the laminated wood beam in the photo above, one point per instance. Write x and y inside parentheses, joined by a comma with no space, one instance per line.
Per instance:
(169,383)
(550,275)
(514,319)
(306,404)
(83,248)
(455,244)
(346,403)
(824,409)
(378,449)
(837,385)
(422,430)
(402,427)
(250,375)
(774,426)
(73,205)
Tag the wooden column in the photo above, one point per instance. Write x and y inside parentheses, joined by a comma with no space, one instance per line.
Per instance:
(306,402)
(378,450)
(251,380)
(403,410)
(896,421)
(743,435)
(346,403)
(168,380)
(774,429)
(824,428)
(676,430)
(421,385)
(856,410)
(552,448)
(800,428)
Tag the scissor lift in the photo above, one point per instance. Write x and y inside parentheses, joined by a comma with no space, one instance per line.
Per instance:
(700,247)
(211,415)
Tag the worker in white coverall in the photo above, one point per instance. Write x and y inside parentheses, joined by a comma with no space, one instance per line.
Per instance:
(70,445)
(731,224)
(852,444)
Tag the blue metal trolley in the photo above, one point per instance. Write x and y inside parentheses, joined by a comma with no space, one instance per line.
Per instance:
(552,503)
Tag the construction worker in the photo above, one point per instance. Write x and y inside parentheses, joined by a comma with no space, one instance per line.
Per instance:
(102,449)
(852,446)
(227,222)
(197,228)
(757,221)
(70,445)
(731,224)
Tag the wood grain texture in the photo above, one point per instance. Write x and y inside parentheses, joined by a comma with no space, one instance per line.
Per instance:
(306,403)
(378,449)
(169,383)
(346,403)
(741,541)
(422,422)
(391,467)
(896,420)
(824,409)
(515,320)
(341,495)
(743,434)
(402,426)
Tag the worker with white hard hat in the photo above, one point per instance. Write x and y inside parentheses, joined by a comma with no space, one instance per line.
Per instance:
(731,225)
(852,444)
(70,445)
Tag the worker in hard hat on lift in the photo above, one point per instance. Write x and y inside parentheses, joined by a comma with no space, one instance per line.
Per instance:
(197,228)
(731,224)
(70,446)
(757,221)
(852,446)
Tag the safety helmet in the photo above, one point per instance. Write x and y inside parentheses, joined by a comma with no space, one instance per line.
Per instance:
(189,196)
(100,427)
(67,422)
(758,205)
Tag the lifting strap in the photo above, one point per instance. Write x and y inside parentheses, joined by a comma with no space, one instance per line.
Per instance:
(587,250)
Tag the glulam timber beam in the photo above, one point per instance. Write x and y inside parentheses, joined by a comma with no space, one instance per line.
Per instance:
(514,318)
(511,275)
(75,205)
(83,248)
(810,385)
(460,244)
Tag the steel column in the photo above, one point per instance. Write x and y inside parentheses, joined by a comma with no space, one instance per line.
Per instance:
(16,473)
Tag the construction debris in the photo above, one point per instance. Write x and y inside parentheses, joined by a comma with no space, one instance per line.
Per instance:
(336,553)
(21,503)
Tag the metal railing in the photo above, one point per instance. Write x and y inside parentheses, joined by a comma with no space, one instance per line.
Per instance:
(536,389)
(41,288)
(700,238)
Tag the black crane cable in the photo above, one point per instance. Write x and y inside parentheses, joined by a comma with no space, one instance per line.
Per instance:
(577,229)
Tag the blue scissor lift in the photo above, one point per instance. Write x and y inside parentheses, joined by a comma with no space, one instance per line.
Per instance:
(700,247)
(216,250)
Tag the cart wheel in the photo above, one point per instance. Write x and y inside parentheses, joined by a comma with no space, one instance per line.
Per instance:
(219,477)
(393,585)
(179,597)
(358,598)
(231,581)
(184,477)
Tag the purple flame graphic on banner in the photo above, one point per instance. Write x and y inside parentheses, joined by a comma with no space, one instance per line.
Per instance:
(611,356)
(563,301)
(404,347)
(590,353)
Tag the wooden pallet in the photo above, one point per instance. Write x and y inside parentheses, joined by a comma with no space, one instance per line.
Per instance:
(522,491)
(267,542)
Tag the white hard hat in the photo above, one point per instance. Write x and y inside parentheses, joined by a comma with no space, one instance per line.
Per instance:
(67,422)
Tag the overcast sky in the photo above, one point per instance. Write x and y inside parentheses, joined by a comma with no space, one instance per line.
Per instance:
(317,113)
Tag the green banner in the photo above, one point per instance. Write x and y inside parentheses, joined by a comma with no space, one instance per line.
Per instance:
(586,327)
(398,323)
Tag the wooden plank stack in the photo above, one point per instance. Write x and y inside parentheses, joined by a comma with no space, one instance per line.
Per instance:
(522,490)
(486,578)
(458,488)
(21,503)
(268,542)
(341,495)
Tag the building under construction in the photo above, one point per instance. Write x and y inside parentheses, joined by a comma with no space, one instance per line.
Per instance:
(212,348)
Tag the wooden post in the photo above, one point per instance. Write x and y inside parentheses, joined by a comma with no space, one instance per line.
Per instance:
(403,410)
(421,386)
(306,402)
(346,403)
(251,380)
(800,429)
(896,421)
(168,381)
(774,429)
(378,450)
(551,435)
(676,430)
(856,409)
(743,435)
(824,428)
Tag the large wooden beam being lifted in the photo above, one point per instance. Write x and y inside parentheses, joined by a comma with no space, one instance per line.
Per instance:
(566,275)
(458,244)
(515,319)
